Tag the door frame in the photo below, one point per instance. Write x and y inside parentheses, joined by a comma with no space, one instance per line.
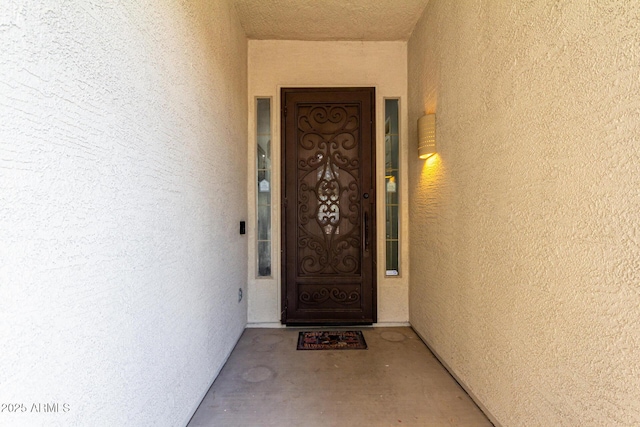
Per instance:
(373,195)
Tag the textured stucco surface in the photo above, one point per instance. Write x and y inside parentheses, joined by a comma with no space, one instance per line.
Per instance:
(329,19)
(525,229)
(283,63)
(122,181)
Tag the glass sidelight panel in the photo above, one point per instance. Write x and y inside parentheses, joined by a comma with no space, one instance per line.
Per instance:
(263,186)
(392,206)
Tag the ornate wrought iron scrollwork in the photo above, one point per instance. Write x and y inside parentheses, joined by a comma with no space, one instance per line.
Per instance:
(328,189)
(334,294)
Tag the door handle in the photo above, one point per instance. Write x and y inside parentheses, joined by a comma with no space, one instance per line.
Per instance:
(366,231)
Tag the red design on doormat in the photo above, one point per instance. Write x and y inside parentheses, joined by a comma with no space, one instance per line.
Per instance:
(333,340)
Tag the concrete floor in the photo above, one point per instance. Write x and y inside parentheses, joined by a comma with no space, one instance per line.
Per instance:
(395,382)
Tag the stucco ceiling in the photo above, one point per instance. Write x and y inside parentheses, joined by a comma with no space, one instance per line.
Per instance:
(329,19)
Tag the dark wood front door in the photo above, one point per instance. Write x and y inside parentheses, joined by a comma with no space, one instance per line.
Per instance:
(328,193)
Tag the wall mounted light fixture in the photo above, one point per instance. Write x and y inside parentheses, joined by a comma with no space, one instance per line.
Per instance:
(427,136)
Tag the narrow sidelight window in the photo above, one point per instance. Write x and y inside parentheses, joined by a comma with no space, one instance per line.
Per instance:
(263,185)
(392,189)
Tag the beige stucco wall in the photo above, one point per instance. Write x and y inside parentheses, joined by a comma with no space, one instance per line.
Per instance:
(122,181)
(275,64)
(525,229)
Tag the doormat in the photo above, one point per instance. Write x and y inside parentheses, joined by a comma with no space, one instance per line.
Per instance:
(334,340)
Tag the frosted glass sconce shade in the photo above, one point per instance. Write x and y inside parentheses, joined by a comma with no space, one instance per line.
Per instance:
(427,136)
